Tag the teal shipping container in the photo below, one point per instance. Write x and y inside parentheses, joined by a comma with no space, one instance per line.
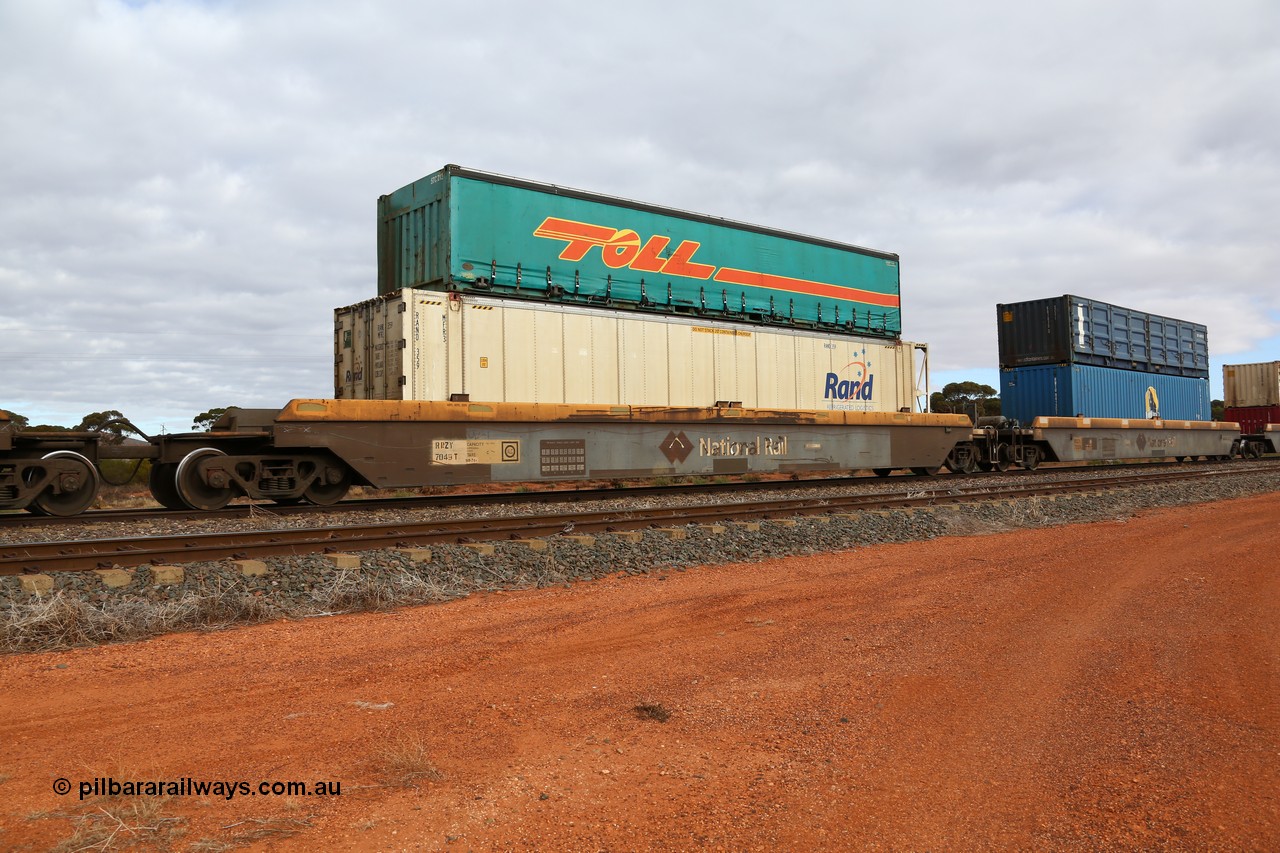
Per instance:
(469,231)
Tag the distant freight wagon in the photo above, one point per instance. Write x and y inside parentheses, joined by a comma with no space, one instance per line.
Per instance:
(466,231)
(1252,395)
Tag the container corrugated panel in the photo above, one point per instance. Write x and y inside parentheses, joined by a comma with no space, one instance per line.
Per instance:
(1250,385)
(468,231)
(1069,390)
(427,345)
(1075,330)
(1252,419)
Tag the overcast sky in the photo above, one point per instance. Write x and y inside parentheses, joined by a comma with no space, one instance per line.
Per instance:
(188,189)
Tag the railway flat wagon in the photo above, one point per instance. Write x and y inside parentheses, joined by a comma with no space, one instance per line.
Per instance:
(1270,440)
(1252,395)
(316,449)
(1100,439)
(461,230)
(426,345)
(1000,444)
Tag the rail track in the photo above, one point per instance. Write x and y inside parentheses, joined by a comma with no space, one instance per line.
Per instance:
(19,558)
(20,518)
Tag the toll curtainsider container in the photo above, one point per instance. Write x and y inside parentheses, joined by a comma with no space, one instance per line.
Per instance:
(1253,420)
(1075,330)
(1072,390)
(474,232)
(427,345)
(1251,385)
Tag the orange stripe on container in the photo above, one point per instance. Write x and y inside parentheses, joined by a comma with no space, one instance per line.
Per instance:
(799,285)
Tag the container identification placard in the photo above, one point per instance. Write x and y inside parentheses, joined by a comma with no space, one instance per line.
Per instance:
(460,451)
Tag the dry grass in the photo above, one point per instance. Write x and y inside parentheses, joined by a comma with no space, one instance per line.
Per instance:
(209,845)
(404,762)
(349,591)
(61,621)
(64,620)
(119,823)
(260,829)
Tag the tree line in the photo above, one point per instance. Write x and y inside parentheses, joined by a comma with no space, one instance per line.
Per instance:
(114,426)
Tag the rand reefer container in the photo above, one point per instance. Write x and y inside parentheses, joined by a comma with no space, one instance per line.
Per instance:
(1071,390)
(474,232)
(1075,330)
(429,345)
(1251,385)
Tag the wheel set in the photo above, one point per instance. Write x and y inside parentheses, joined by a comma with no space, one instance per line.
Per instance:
(208,479)
(72,485)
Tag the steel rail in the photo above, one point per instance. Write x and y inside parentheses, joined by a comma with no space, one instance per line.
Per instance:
(102,553)
(20,519)
(248,510)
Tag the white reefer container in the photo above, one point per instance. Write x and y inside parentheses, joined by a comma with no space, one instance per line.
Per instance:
(1248,385)
(426,345)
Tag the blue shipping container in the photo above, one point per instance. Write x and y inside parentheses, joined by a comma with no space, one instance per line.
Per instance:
(1075,330)
(1068,390)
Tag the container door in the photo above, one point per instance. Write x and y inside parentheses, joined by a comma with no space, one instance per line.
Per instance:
(579,367)
(725,366)
(744,360)
(494,353)
(429,341)
(765,368)
(702,373)
(343,352)
(682,365)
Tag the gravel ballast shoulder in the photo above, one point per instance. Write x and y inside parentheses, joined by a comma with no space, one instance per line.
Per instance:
(81,609)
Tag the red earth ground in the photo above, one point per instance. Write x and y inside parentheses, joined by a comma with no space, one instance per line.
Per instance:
(1103,686)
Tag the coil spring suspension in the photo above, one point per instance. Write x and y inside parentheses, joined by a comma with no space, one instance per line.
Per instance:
(277,485)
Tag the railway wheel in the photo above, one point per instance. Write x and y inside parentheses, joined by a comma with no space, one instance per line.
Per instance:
(163,486)
(1031,458)
(882,472)
(330,486)
(962,460)
(196,491)
(1251,450)
(926,472)
(1002,459)
(75,485)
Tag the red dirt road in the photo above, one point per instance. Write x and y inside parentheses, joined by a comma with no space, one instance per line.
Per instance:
(1109,686)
